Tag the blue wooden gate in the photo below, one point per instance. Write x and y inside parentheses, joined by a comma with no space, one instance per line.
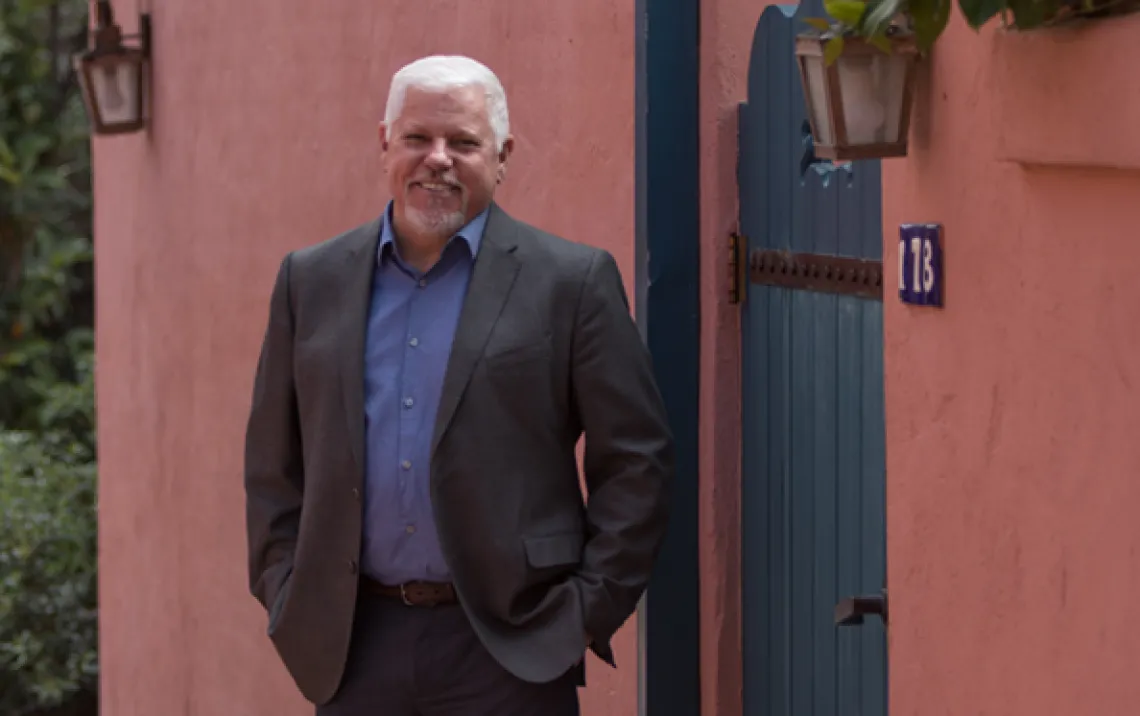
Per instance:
(813,489)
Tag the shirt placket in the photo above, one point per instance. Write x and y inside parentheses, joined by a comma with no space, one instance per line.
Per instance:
(411,408)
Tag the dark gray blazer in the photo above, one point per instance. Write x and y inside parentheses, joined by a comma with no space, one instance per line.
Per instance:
(545,352)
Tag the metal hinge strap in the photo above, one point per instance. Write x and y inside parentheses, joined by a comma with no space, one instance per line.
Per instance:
(737,268)
(817,272)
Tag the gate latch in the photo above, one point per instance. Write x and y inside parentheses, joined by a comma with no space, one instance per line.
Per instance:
(852,610)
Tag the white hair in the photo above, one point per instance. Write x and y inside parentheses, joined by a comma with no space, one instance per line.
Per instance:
(440,73)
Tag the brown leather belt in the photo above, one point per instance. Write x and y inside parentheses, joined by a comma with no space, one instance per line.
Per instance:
(414,594)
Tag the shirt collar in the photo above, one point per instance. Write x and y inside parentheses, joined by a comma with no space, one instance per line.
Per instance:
(472,232)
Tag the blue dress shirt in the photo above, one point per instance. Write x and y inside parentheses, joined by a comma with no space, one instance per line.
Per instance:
(411,322)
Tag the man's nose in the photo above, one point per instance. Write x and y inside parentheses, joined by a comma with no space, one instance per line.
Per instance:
(438,155)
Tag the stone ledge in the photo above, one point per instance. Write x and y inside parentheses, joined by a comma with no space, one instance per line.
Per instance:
(1067,96)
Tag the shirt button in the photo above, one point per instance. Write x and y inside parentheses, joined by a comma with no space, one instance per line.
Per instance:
(410,529)
(408,402)
(423,282)
(352,566)
(406,464)
(414,342)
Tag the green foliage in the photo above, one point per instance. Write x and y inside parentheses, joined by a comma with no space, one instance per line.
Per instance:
(47,433)
(47,567)
(877,20)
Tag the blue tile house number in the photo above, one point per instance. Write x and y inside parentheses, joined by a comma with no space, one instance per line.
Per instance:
(920,264)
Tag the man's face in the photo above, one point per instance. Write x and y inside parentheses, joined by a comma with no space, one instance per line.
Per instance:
(441,160)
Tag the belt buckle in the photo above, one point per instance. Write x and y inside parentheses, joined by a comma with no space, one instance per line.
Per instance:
(404,596)
(428,600)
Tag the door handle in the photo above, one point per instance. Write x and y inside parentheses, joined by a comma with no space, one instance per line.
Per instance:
(852,610)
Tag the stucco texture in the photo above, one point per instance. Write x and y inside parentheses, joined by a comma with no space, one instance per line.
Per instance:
(264,140)
(1011,413)
(727,28)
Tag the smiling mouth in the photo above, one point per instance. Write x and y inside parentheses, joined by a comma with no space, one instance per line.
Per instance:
(436,187)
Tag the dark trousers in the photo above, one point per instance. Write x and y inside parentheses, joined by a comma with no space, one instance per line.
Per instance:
(427,661)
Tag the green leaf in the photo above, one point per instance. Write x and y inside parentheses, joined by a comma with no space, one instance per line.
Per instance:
(879,16)
(882,42)
(818,23)
(1028,14)
(7,156)
(979,12)
(832,50)
(929,19)
(848,12)
(10,176)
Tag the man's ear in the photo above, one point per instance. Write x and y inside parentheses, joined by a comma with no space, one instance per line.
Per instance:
(382,131)
(504,155)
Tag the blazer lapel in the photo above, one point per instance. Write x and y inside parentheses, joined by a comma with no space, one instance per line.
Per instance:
(360,263)
(491,281)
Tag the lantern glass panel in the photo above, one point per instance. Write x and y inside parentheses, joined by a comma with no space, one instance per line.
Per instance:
(872,87)
(115,89)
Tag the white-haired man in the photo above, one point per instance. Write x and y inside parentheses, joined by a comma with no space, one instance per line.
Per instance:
(416,527)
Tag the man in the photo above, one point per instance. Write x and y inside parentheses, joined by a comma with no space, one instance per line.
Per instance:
(417,531)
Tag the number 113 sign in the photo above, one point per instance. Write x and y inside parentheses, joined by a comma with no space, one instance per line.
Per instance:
(920,264)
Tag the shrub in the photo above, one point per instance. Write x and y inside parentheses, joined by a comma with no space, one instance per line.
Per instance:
(48,659)
(48,620)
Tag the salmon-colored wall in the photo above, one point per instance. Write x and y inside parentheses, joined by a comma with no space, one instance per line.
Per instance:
(727,28)
(264,140)
(1012,450)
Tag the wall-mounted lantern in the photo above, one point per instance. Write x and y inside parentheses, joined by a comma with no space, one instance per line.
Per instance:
(859,104)
(113,77)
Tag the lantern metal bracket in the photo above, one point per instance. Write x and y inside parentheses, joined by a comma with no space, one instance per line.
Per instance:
(108,36)
(143,35)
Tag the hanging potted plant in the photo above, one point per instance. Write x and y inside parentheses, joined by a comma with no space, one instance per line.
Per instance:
(858,65)
(1040,14)
(858,74)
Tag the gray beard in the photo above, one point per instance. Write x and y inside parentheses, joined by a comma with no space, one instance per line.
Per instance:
(442,224)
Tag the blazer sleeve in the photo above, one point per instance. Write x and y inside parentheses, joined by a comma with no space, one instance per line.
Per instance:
(628,461)
(274,480)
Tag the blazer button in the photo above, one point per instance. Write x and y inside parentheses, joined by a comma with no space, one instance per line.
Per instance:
(352,566)
(356,494)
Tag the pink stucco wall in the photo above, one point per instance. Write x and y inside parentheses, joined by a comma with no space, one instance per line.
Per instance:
(727,27)
(1012,413)
(264,140)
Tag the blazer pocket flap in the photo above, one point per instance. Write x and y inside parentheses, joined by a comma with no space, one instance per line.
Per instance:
(554,550)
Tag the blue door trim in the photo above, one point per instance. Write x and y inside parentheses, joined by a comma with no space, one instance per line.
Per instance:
(667,154)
